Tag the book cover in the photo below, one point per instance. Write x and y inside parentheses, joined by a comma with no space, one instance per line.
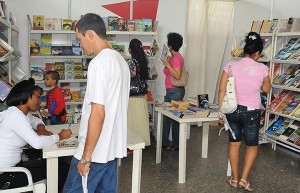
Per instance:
(294,136)
(38,22)
(82,90)
(287,55)
(46,39)
(122,24)
(45,50)
(49,66)
(56,50)
(67,143)
(154,47)
(35,47)
(289,24)
(275,126)
(48,24)
(147,24)
(265,26)
(254,26)
(75,43)
(69,66)
(295,56)
(279,79)
(65,88)
(61,74)
(37,73)
(57,24)
(130,25)
(272,26)
(297,142)
(296,25)
(288,132)
(67,51)
(155,26)
(296,112)
(138,25)
(69,75)
(67,24)
(59,66)
(280,53)
(77,66)
(112,23)
(289,108)
(75,96)
(78,74)
(281,129)
(77,51)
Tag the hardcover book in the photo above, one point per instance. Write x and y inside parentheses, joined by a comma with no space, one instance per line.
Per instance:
(65,88)
(122,24)
(138,25)
(38,22)
(147,24)
(48,24)
(130,25)
(112,23)
(75,96)
(78,74)
(77,66)
(46,39)
(67,24)
(45,50)
(57,24)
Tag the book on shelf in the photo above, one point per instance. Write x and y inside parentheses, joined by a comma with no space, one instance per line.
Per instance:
(283,102)
(69,75)
(297,142)
(78,74)
(282,25)
(75,96)
(49,66)
(77,51)
(59,66)
(112,23)
(56,50)
(48,23)
(275,126)
(37,73)
(122,24)
(119,48)
(61,74)
(5,51)
(154,47)
(65,88)
(57,24)
(155,26)
(67,24)
(296,25)
(67,51)
(4,90)
(289,108)
(38,22)
(130,25)
(272,26)
(294,136)
(296,112)
(46,39)
(289,24)
(45,50)
(77,66)
(138,26)
(82,90)
(147,50)
(279,79)
(287,133)
(147,24)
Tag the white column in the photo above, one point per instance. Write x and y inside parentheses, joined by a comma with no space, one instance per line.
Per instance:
(159,137)
(136,170)
(205,139)
(182,151)
(52,174)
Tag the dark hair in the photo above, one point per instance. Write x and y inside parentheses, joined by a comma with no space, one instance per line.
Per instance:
(254,43)
(38,89)
(91,21)
(54,75)
(137,53)
(175,40)
(20,93)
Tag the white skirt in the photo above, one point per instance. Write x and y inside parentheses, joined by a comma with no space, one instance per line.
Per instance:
(138,117)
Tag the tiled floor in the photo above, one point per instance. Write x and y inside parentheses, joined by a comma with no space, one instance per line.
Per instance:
(273,172)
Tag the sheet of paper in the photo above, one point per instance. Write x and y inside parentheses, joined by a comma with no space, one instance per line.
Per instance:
(164,52)
(226,125)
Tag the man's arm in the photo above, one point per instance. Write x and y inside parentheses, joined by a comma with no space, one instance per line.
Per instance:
(95,125)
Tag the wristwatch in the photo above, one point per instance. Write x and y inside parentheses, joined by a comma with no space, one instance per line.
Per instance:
(84,162)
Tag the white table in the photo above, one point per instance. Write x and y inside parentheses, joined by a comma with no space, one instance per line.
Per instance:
(184,123)
(134,142)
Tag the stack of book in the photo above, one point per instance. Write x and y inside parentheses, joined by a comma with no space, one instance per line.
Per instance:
(290,77)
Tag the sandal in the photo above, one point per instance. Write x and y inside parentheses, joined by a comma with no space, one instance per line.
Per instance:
(231,181)
(248,187)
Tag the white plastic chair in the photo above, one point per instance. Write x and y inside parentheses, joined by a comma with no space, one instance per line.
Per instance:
(38,187)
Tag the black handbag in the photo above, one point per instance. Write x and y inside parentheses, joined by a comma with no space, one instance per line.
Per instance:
(137,86)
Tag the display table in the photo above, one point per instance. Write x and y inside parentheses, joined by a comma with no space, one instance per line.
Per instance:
(184,123)
(52,153)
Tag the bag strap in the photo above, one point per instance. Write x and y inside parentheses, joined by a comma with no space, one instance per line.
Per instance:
(230,69)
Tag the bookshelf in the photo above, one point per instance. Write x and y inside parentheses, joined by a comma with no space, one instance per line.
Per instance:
(66,37)
(284,135)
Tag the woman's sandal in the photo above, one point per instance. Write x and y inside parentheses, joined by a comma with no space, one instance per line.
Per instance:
(248,187)
(231,181)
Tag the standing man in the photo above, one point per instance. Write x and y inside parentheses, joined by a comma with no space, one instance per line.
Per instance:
(103,127)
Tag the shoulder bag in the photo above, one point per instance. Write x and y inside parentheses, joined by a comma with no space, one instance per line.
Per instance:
(183,79)
(229,103)
(137,86)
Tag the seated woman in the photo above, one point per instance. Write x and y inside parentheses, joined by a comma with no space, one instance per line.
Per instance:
(16,130)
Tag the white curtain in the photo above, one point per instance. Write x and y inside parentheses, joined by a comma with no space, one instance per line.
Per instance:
(207,30)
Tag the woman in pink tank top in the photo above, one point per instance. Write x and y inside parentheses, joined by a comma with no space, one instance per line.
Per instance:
(251,77)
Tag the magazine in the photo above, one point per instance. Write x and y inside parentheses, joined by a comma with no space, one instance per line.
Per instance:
(164,53)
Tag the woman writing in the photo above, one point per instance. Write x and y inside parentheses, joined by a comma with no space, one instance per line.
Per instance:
(16,131)
(250,78)
(138,117)
(174,66)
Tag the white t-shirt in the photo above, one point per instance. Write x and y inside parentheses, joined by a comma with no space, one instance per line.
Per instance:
(108,84)
(15,132)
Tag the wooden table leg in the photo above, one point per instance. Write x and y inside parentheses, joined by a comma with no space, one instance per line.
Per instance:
(205,139)
(52,174)
(182,152)
(136,170)
(159,137)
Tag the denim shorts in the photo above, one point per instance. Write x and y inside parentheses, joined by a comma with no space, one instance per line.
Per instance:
(244,122)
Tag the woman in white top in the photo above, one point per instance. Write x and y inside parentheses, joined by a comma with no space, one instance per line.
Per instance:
(16,131)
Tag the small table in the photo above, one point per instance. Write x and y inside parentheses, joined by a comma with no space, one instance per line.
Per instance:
(183,127)
(134,142)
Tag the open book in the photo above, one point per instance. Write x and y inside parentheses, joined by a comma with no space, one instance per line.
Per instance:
(164,53)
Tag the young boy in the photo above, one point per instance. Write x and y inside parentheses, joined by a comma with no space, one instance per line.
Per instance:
(55,100)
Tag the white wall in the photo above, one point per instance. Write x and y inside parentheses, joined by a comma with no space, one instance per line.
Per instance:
(170,20)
